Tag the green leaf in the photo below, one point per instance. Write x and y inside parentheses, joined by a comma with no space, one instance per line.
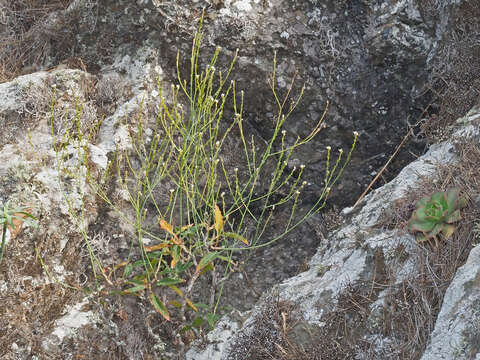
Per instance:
(440,198)
(206,260)
(181,267)
(452,198)
(175,256)
(185,329)
(159,307)
(422,202)
(420,214)
(424,226)
(201,306)
(135,289)
(208,267)
(169,281)
(197,322)
(212,319)
(128,270)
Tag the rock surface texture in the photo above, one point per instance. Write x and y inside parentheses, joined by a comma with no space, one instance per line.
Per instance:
(370,291)
(361,278)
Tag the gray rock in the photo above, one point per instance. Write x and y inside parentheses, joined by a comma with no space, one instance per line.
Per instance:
(359,253)
(457,330)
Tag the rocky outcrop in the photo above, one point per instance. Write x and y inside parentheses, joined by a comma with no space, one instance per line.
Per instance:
(368,58)
(362,280)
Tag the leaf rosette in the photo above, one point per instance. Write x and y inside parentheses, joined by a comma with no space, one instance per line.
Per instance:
(435,215)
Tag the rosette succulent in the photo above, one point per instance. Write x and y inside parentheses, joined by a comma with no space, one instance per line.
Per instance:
(435,215)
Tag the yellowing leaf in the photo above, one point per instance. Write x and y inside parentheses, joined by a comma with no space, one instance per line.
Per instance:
(189,303)
(177,290)
(156,247)
(186,227)
(166,226)
(218,220)
(236,236)
(169,229)
(175,303)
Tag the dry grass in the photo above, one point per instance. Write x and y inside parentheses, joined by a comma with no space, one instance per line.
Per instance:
(27,34)
(410,308)
(416,302)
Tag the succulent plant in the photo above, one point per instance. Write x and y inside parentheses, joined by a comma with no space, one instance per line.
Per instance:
(435,215)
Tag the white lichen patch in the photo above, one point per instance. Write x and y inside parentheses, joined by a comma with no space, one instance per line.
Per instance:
(73,319)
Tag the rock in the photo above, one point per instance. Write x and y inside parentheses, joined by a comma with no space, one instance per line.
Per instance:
(457,329)
(368,58)
(340,282)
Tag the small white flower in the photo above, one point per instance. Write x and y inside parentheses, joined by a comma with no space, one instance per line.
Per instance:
(284,132)
(302,166)
(236,169)
(340,151)
(355,133)
(329,148)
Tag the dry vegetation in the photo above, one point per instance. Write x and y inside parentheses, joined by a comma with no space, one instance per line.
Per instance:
(409,309)
(455,79)
(27,35)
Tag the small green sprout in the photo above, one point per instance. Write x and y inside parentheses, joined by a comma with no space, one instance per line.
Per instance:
(7,215)
(435,215)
